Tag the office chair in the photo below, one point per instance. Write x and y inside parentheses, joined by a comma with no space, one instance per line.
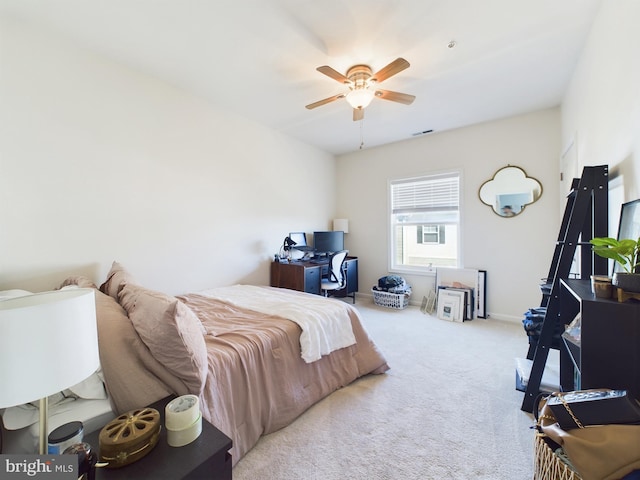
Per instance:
(336,280)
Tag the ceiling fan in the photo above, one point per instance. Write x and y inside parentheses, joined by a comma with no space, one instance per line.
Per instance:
(362,86)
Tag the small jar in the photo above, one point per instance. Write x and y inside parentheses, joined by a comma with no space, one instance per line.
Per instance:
(87,459)
(64,436)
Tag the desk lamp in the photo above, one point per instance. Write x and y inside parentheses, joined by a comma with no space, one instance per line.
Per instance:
(286,246)
(288,243)
(48,342)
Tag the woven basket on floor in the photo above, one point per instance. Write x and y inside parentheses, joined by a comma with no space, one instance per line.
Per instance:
(547,465)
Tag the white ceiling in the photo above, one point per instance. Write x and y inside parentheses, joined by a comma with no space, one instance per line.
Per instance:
(258,57)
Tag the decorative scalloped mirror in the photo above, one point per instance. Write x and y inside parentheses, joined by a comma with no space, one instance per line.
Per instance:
(510,191)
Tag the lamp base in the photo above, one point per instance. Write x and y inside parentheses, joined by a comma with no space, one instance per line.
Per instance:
(43,441)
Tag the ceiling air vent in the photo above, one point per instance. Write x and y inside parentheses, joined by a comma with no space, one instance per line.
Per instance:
(424,132)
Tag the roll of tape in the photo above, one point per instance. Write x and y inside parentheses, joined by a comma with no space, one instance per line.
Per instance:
(181,412)
(179,438)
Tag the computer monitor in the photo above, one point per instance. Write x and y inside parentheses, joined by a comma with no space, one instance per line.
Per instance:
(328,242)
(299,237)
(301,241)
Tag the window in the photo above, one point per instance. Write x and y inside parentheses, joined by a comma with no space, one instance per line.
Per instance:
(431,234)
(425,218)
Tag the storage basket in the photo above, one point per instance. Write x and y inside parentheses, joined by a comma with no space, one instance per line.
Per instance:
(547,465)
(390,300)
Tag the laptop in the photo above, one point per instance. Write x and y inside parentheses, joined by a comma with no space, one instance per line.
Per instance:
(301,241)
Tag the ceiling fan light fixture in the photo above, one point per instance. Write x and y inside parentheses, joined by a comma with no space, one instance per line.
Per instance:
(360,97)
(363,86)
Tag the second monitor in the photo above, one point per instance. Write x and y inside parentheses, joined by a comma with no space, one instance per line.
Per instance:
(328,242)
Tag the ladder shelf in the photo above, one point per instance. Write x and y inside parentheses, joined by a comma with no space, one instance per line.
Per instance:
(585,217)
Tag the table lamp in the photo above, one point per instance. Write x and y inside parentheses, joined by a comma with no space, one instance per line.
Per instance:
(341,224)
(48,342)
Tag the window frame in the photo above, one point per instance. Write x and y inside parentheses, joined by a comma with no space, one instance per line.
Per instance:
(427,269)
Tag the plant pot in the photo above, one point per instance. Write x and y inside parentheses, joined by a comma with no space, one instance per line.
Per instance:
(627,282)
(601,286)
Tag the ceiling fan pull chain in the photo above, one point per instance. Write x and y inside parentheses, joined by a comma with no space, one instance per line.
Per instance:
(361,133)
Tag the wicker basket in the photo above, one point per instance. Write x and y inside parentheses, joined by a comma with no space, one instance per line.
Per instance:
(547,465)
(390,300)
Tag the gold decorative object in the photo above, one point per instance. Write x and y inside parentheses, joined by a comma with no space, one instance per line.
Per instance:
(129,437)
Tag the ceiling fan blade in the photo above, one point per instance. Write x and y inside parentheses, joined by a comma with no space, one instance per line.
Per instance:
(394,67)
(395,96)
(358,114)
(319,103)
(330,72)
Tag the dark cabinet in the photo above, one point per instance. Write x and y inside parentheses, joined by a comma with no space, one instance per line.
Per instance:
(300,276)
(312,280)
(607,354)
(306,276)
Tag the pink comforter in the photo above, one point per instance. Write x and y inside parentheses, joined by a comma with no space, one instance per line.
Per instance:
(257,381)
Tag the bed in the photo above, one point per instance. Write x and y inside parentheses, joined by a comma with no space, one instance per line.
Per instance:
(252,358)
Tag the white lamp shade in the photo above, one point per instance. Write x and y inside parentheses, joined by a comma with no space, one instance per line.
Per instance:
(48,342)
(341,225)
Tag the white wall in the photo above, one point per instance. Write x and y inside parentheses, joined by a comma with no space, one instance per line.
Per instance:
(516,252)
(101,163)
(601,109)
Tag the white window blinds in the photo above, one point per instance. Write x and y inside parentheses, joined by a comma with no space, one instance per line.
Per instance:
(437,193)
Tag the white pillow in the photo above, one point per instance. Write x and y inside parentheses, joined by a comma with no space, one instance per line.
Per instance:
(92,388)
(24,415)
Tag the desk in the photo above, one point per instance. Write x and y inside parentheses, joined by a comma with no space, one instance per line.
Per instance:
(306,276)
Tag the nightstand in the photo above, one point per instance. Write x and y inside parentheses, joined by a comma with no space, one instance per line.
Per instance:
(207,457)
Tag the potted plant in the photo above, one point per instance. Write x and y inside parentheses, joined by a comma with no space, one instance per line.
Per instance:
(626,253)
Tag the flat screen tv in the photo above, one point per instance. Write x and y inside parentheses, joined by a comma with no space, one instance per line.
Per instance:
(328,242)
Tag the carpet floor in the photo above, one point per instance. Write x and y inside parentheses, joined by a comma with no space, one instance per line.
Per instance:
(447,409)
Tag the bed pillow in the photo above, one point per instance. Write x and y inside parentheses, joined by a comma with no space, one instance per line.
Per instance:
(117,278)
(171,331)
(27,414)
(79,280)
(92,388)
(133,376)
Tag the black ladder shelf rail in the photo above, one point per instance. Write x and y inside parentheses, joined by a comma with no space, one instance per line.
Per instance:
(585,217)
(547,288)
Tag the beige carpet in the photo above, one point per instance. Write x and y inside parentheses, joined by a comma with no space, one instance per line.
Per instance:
(447,409)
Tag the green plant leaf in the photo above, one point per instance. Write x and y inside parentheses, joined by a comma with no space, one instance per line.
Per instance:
(603,241)
(625,252)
